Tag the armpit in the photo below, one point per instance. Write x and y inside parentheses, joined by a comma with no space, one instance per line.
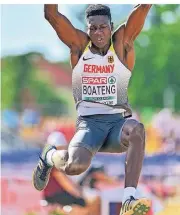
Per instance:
(128,45)
(74,50)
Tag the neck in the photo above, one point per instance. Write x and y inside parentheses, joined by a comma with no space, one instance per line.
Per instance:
(101,51)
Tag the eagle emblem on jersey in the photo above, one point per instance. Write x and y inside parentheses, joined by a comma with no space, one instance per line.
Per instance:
(110,59)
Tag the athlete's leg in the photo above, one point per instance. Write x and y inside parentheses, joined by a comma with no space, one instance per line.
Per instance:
(86,142)
(133,133)
(129,136)
(73,161)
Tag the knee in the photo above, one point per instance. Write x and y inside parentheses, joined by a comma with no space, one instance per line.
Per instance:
(137,135)
(139,129)
(76,167)
(133,132)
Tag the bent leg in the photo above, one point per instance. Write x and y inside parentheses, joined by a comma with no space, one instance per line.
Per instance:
(85,143)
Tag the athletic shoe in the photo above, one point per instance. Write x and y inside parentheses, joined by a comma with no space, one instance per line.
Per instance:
(134,206)
(42,171)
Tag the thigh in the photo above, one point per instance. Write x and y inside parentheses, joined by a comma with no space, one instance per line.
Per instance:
(114,143)
(119,136)
(85,143)
(89,135)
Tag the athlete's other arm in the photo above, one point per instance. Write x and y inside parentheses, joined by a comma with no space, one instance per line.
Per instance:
(135,24)
(125,35)
(75,39)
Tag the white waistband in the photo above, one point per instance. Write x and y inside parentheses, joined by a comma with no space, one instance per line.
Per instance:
(91,108)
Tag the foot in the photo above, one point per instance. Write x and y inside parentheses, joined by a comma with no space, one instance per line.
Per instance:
(42,171)
(134,206)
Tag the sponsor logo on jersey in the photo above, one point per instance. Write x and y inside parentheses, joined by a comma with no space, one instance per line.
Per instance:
(112,80)
(94,80)
(87,58)
(99,89)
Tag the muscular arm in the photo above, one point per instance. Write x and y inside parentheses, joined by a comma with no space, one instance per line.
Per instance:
(68,34)
(125,35)
(135,23)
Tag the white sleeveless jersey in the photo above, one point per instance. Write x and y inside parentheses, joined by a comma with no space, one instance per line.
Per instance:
(100,84)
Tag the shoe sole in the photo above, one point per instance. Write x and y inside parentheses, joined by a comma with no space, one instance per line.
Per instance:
(142,207)
(34,184)
(33,181)
(34,177)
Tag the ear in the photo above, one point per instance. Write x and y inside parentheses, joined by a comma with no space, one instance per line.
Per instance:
(112,26)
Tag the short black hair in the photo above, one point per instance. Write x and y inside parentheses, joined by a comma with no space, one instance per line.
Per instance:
(98,9)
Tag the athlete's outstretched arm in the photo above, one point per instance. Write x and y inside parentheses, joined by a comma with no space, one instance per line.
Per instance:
(127,32)
(67,33)
(135,22)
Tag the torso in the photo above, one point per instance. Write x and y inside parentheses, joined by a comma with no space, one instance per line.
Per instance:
(100,83)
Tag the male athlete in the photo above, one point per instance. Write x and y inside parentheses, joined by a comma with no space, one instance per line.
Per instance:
(102,61)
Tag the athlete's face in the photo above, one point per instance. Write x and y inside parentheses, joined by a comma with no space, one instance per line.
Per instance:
(99,30)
